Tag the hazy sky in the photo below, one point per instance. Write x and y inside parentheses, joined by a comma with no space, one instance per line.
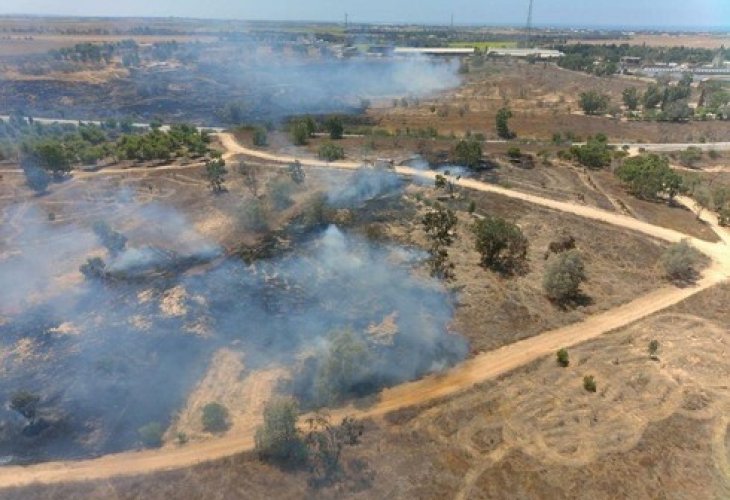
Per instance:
(698,13)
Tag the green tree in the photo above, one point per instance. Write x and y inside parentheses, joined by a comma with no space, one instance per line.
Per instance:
(300,133)
(501,245)
(280,190)
(345,365)
(502,123)
(631,98)
(215,173)
(151,434)
(439,224)
(594,103)
(652,96)
(278,439)
(215,417)
(564,276)
(649,176)
(468,152)
(335,127)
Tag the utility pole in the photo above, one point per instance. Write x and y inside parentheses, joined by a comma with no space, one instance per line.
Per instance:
(528,41)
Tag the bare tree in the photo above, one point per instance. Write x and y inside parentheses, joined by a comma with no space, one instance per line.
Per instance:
(251,177)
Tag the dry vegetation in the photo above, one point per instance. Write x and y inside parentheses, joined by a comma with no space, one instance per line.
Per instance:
(653,426)
(544,100)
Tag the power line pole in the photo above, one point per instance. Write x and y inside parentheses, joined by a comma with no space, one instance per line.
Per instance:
(528,41)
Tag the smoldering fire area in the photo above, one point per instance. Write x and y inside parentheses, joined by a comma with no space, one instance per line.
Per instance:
(108,354)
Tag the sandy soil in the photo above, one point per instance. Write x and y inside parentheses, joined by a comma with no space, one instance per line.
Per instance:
(481,368)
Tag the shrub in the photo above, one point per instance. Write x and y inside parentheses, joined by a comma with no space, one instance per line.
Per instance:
(280,190)
(564,276)
(514,152)
(151,434)
(653,348)
(563,358)
(25,403)
(502,123)
(690,156)
(260,137)
(299,133)
(679,262)
(334,127)
(330,152)
(589,383)
(215,417)
(254,216)
(501,244)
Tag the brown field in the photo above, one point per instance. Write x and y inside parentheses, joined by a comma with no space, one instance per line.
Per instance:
(20,45)
(544,100)
(699,41)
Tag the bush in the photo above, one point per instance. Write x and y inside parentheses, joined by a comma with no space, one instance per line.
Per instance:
(653,348)
(278,439)
(589,383)
(501,244)
(502,123)
(280,190)
(334,127)
(690,156)
(330,152)
(679,262)
(300,133)
(254,216)
(563,358)
(564,276)
(151,434)
(215,417)
(25,403)
(514,152)
(260,137)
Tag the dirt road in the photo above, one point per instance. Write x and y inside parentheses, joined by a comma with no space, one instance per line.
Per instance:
(477,369)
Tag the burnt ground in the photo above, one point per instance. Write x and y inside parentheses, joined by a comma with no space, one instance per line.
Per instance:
(654,429)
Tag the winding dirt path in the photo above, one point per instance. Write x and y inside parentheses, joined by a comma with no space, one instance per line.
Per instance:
(472,371)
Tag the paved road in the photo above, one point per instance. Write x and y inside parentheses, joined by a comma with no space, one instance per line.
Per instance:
(477,369)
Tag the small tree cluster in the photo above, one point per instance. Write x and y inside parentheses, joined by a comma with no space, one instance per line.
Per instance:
(25,403)
(649,176)
(594,103)
(501,245)
(151,434)
(345,365)
(325,443)
(278,440)
(595,153)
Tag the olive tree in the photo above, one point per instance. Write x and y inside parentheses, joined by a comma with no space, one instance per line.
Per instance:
(564,276)
(501,245)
